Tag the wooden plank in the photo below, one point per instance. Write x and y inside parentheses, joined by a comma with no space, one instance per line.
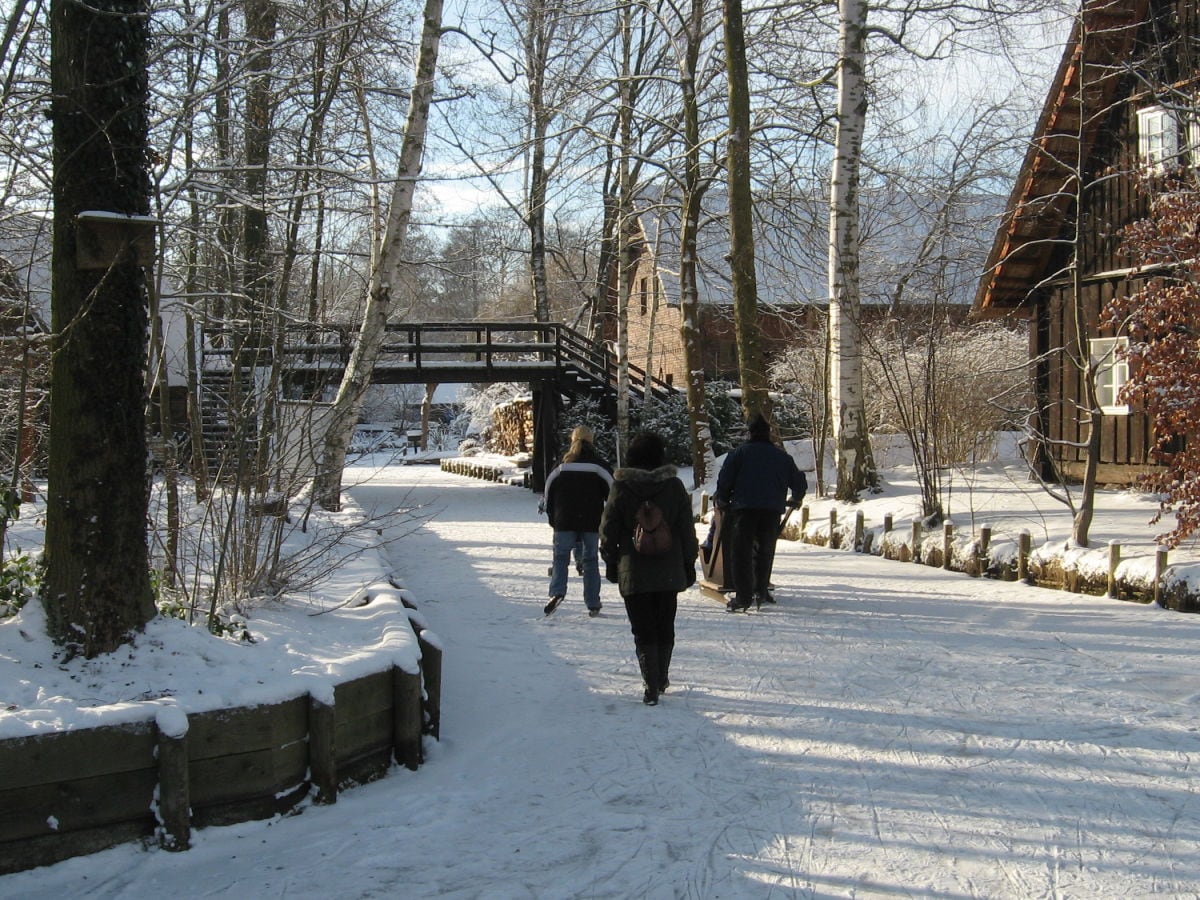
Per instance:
(322,750)
(233,731)
(245,810)
(431,676)
(29,853)
(407,720)
(357,736)
(243,776)
(77,804)
(364,696)
(84,753)
(365,767)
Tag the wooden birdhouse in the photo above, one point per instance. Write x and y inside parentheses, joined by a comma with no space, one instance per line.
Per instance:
(102,237)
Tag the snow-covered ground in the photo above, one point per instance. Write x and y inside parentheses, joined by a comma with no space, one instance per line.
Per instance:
(886,730)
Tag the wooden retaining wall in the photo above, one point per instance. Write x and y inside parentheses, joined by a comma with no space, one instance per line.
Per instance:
(75,792)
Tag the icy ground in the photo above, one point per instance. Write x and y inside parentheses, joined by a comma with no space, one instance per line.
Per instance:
(886,730)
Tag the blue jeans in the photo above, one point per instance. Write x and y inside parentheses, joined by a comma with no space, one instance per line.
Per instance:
(564,543)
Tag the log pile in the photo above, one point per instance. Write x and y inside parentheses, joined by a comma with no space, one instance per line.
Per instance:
(511,431)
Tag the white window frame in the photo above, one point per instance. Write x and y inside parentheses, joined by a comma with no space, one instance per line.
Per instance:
(1158,137)
(1112,373)
(1191,134)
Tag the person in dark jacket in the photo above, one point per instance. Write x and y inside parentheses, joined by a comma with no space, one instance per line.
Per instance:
(753,488)
(574,498)
(650,585)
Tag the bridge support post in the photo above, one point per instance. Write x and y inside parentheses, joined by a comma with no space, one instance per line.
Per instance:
(546,404)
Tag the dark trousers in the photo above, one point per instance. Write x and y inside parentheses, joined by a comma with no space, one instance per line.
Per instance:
(652,618)
(752,536)
(652,621)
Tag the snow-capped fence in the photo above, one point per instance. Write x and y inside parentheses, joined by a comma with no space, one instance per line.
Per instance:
(1099,571)
(164,772)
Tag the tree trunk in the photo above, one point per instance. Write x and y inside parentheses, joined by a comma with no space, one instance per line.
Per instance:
(1081,524)
(97,585)
(752,371)
(357,378)
(624,212)
(852,443)
(426,412)
(537,40)
(699,430)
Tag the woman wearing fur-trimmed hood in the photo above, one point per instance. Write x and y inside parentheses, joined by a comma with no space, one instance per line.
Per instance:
(649,584)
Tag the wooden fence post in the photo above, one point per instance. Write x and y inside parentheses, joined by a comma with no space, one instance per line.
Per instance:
(947,544)
(887,523)
(1114,560)
(860,530)
(833,538)
(981,549)
(1160,569)
(1024,542)
(916,540)
(431,674)
(174,786)
(803,519)
(406,712)
(322,749)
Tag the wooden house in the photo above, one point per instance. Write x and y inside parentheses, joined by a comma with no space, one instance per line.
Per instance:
(655,342)
(1121,107)
(791,260)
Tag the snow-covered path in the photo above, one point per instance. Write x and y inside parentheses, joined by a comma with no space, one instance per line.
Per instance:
(886,730)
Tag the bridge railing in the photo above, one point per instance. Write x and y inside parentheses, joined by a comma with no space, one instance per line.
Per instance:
(602,365)
(438,344)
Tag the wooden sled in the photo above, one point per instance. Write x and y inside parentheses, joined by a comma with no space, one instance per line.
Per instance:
(714,563)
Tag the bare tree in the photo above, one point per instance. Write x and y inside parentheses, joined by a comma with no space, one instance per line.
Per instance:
(357,377)
(755,398)
(852,442)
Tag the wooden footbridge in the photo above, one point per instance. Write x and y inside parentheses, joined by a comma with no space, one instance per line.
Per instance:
(558,363)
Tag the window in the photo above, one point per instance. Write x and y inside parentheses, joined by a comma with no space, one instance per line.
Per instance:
(1112,372)
(1158,136)
(1191,133)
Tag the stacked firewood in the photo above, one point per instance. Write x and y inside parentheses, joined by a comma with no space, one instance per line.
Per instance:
(511,431)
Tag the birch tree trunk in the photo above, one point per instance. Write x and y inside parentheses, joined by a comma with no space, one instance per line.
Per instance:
(852,443)
(755,398)
(357,378)
(427,412)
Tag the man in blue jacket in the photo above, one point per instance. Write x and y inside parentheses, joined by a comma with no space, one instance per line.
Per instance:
(753,488)
(575,494)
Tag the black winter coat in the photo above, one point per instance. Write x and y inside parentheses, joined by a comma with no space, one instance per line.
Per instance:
(674,570)
(759,475)
(575,492)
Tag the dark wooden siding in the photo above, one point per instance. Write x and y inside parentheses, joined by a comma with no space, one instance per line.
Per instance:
(1166,52)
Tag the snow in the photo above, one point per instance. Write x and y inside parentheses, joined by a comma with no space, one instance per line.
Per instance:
(887,729)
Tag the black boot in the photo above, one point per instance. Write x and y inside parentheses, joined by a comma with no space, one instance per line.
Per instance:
(648,662)
(664,665)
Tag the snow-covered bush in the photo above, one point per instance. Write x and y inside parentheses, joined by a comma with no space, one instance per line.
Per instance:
(725,419)
(18,581)
(587,411)
(669,420)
